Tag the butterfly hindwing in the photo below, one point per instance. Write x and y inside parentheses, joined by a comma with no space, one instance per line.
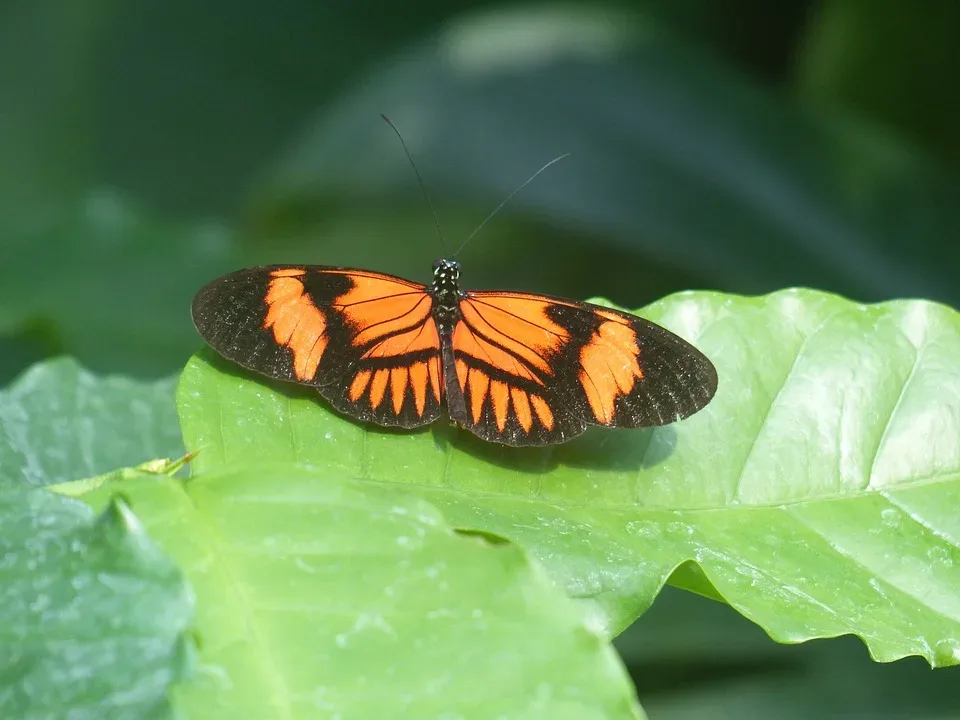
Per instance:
(391,373)
(537,370)
(515,392)
(367,341)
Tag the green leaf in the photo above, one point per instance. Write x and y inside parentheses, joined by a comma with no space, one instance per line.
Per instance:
(59,422)
(317,596)
(93,614)
(815,493)
(693,658)
(111,283)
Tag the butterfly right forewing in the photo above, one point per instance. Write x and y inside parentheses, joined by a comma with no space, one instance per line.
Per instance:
(537,370)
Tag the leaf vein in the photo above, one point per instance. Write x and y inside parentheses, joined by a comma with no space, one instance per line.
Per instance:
(896,407)
(735,494)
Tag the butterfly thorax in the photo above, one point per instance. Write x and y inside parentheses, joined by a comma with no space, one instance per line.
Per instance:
(445,291)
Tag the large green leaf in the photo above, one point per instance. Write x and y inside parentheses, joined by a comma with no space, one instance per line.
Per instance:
(59,422)
(321,598)
(93,614)
(694,658)
(109,282)
(678,164)
(814,494)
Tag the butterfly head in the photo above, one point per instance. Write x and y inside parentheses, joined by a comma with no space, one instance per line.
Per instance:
(445,271)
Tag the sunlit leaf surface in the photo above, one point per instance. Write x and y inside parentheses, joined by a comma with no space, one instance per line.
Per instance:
(318,598)
(816,493)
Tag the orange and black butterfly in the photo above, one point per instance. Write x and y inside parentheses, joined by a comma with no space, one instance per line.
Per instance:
(510,367)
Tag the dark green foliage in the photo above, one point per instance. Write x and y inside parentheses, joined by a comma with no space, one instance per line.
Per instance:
(149,147)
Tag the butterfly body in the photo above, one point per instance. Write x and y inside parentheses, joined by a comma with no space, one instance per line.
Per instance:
(511,367)
(446,294)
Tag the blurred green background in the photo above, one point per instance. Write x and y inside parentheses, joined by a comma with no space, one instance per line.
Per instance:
(737,145)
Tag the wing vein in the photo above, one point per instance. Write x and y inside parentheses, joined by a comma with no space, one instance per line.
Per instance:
(348,370)
(500,346)
(475,299)
(378,299)
(395,318)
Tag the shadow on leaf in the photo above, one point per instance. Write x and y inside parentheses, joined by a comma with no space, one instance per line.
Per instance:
(619,450)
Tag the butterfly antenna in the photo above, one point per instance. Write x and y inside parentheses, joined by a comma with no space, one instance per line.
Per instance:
(507,199)
(423,187)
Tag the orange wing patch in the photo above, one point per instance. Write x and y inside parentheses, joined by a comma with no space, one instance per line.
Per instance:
(467,342)
(504,400)
(435,375)
(418,383)
(296,322)
(424,337)
(389,321)
(500,395)
(378,387)
(610,365)
(416,379)
(544,413)
(375,305)
(518,324)
(359,384)
(398,385)
(521,408)
(479,384)
(389,316)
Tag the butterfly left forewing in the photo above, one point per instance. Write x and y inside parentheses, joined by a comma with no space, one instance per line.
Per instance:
(365,340)
(265,320)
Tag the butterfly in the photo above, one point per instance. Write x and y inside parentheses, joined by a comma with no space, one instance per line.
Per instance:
(511,367)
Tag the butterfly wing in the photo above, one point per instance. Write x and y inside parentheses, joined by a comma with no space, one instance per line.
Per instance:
(536,370)
(365,340)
